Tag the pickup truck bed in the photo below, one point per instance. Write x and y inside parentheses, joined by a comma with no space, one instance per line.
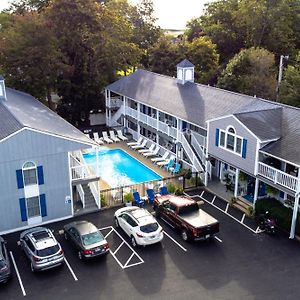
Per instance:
(199,218)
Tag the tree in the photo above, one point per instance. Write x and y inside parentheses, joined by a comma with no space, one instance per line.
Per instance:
(290,86)
(193,29)
(29,55)
(202,52)
(251,72)
(23,6)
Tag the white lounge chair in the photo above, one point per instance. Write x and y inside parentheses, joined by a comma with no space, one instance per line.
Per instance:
(161,158)
(165,162)
(113,137)
(141,146)
(150,149)
(97,139)
(139,141)
(121,136)
(152,153)
(106,138)
(87,135)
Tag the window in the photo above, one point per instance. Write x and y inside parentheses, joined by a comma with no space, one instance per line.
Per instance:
(29,173)
(230,141)
(1,91)
(33,207)
(189,75)
(179,74)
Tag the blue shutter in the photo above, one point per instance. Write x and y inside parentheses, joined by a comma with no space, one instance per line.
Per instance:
(244,150)
(23,209)
(43,205)
(40,174)
(281,194)
(184,125)
(20,182)
(217,136)
(226,167)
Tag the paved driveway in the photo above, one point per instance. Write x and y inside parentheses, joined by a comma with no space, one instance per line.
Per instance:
(238,265)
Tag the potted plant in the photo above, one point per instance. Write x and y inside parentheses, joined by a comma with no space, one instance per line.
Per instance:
(128,198)
(102,200)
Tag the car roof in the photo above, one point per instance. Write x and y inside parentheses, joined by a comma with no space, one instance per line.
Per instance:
(84,227)
(42,237)
(142,216)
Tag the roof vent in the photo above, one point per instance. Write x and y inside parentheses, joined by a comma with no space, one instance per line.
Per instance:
(2,88)
(185,72)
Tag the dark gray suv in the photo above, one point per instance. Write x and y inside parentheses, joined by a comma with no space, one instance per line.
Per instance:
(5,270)
(41,248)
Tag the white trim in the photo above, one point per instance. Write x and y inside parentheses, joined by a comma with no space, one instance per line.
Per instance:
(261,151)
(11,135)
(70,182)
(256,157)
(219,118)
(241,123)
(226,132)
(30,226)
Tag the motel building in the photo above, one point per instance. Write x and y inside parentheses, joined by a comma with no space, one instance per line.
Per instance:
(253,143)
(41,164)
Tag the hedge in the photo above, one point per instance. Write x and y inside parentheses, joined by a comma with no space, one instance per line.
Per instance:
(279,212)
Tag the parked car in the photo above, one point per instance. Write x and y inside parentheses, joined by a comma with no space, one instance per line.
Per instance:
(86,239)
(184,214)
(5,270)
(139,225)
(41,248)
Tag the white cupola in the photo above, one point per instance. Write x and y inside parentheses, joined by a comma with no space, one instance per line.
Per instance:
(185,72)
(2,88)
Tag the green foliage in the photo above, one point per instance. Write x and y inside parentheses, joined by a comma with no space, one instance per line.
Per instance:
(282,214)
(187,174)
(193,29)
(171,187)
(271,190)
(128,197)
(179,191)
(103,200)
(232,201)
(252,72)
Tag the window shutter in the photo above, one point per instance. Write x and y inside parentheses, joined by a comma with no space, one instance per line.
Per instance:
(43,205)
(244,151)
(40,174)
(281,194)
(217,136)
(226,167)
(20,182)
(23,209)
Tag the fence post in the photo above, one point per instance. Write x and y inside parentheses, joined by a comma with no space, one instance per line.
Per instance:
(122,195)
(196,179)
(183,182)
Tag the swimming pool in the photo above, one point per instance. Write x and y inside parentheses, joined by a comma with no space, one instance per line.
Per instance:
(118,168)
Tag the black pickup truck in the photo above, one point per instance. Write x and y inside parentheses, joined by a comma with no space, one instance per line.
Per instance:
(184,214)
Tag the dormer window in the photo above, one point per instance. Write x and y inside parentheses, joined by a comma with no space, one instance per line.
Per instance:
(229,140)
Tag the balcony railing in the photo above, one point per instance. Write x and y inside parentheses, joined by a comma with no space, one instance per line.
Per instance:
(114,102)
(277,176)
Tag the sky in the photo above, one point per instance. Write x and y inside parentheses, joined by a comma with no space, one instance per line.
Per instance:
(171,14)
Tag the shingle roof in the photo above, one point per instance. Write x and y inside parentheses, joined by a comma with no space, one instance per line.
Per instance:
(185,64)
(22,110)
(198,103)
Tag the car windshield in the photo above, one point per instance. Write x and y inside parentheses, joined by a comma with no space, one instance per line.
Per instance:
(48,251)
(183,210)
(92,238)
(149,227)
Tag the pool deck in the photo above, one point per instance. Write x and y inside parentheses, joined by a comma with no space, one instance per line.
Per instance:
(146,161)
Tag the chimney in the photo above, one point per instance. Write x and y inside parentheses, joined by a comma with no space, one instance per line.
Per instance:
(2,89)
(185,72)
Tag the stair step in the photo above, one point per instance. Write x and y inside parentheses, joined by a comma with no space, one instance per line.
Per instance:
(243,202)
(240,207)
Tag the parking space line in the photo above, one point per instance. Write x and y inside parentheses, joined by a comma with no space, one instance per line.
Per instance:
(175,241)
(128,260)
(202,193)
(72,272)
(119,247)
(116,259)
(109,233)
(18,274)
(213,200)
(218,239)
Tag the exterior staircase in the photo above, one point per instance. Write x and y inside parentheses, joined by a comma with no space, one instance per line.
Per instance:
(242,204)
(89,200)
(116,116)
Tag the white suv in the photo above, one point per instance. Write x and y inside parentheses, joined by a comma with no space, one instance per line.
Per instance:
(139,225)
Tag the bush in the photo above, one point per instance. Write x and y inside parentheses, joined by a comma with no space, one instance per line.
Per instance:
(102,200)
(188,174)
(279,212)
(179,191)
(171,187)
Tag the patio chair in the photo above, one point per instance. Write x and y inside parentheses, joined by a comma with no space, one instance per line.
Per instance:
(151,195)
(175,169)
(164,190)
(152,153)
(150,149)
(165,162)
(87,135)
(97,139)
(170,164)
(121,136)
(139,141)
(113,137)
(137,199)
(106,138)
(161,158)
(141,146)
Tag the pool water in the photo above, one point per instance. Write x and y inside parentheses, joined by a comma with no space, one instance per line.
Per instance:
(118,168)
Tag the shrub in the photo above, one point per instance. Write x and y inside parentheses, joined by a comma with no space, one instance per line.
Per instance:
(128,197)
(188,174)
(171,187)
(102,200)
(179,191)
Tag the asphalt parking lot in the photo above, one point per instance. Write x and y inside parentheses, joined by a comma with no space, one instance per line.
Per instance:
(238,264)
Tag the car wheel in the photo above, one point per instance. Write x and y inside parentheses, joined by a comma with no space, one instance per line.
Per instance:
(80,255)
(184,235)
(66,236)
(117,223)
(157,214)
(133,242)
(32,268)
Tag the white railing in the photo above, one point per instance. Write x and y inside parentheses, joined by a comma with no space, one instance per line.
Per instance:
(131,112)
(200,138)
(190,153)
(115,102)
(114,119)
(80,170)
(81,194)
(277,176)
(209,167)
(133,133)
(95,192)
(163,127)
(198,148)
(152,122)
